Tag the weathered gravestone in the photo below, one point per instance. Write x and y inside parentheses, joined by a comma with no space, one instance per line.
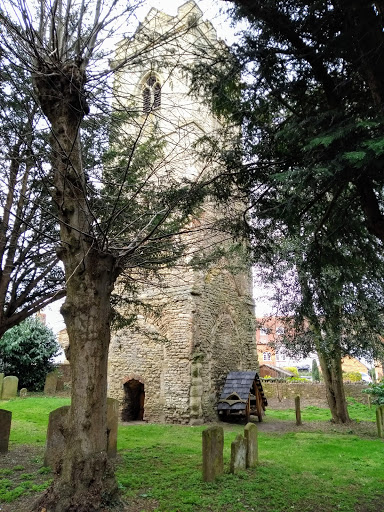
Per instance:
(5,429)
(213,445)
(54,447)
(50,383)
(250,434)
(55,444)
(10,385)
(60,383)
(238,454)
(23,392)
(112,424)
(1,384)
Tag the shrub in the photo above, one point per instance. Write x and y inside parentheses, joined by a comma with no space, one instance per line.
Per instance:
(26,351)
(293,370)
(352,376)
(377,393)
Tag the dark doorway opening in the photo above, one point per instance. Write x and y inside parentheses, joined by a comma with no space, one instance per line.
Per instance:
(134,396)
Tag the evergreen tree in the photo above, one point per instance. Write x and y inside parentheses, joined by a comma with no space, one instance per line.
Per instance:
(305,83)
(26,351)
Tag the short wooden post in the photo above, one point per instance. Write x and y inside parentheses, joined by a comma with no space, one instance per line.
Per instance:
(369,401)
(298,411)
(379,422)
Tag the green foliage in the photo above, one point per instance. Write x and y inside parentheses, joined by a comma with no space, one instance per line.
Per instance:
(315,371)
(377,393)
(26,351)
(297,379)
(352,376)
(293,370)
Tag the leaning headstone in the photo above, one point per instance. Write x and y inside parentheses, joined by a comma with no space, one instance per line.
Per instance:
(10,385)
(50,383)
(1,384)
(298,410)
(54,447)
(238,454)
(23,392)
(213,445)
(250,434)
(5,429)
(112,424)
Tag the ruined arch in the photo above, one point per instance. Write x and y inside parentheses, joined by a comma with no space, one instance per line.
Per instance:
(134,398)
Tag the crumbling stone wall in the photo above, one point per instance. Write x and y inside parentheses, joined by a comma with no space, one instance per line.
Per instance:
(204,326)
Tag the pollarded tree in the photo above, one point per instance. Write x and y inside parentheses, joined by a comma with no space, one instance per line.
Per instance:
(30,277)
(111,219)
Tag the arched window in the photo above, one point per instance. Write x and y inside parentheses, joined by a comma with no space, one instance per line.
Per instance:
(151,94)
(266,356)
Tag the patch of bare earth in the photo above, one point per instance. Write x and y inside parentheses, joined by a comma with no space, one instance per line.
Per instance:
(26,459)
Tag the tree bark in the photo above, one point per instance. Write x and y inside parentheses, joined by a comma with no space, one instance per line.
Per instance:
(334,387)
(84,480)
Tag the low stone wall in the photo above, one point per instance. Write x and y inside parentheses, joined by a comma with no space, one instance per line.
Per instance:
(310,390)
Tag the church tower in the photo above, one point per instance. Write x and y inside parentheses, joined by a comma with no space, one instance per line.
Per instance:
(172,367)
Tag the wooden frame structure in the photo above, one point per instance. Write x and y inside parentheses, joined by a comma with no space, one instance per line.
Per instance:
(242,395)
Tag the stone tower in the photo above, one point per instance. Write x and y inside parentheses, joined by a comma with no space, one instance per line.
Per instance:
(172,369)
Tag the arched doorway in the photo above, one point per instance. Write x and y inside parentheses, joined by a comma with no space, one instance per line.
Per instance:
(134,396)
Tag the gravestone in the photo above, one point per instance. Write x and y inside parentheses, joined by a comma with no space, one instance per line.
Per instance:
(50,383)
(54,447)
(23,392)
(112,424)
(213,445)
(1,384)
(10,385)
(238,454)
(5,429)
(250,434)
(60,383)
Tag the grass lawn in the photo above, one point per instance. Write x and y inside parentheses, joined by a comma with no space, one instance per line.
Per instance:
(159,466)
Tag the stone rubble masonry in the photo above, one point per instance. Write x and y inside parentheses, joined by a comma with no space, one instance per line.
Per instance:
(5,429)
(213,445)
(10,385)
(310,390)
(238,454)
(205,322)
(23,393)
(250,435)
(51,383)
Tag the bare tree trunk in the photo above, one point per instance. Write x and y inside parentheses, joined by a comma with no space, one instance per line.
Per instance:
(334,387)
(84,481)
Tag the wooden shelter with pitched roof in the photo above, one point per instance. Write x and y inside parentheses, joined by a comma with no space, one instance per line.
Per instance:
(242,395)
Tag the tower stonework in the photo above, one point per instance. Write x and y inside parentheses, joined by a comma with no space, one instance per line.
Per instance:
(172,367)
